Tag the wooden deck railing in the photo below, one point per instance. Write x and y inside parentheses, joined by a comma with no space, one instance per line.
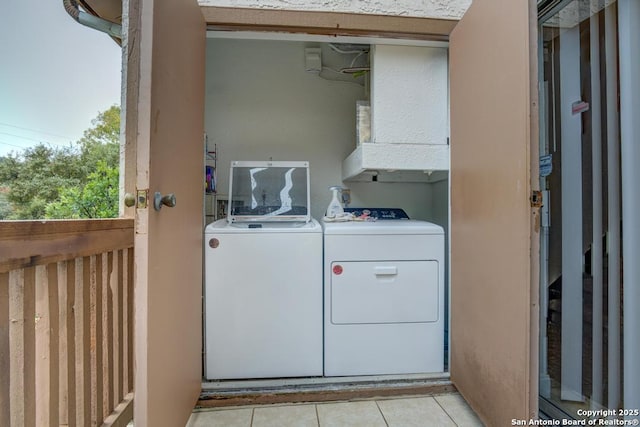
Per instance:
(66,323)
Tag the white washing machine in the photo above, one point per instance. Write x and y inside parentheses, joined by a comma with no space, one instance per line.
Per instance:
(383,296)
(263,277)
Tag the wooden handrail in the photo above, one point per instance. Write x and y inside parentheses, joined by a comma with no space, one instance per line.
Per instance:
(66,322)
(30,243)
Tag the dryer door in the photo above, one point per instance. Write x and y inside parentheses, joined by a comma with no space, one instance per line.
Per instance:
(384,292)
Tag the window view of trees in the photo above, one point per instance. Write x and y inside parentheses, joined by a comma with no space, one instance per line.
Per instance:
(76,181)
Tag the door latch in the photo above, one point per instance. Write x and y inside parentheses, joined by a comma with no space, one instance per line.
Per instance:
(139,200)
(142,198)
(536,199)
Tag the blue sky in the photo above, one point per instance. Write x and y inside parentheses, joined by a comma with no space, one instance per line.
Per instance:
(55,75)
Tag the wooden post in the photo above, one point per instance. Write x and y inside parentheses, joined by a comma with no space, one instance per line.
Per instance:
(4,349)
(108,329)
(71,343)
(125,323)
(22,347)
(97,411)
(117,327)
(130,324)
(103,272)
(46,328)
(83,364)
(67,384)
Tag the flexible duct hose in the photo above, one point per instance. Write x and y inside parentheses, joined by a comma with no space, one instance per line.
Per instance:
(72,8)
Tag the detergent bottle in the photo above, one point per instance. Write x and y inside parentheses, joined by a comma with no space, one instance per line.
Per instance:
(335,208)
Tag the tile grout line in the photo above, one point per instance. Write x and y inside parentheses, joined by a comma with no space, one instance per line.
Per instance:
(382,413)
(445,411)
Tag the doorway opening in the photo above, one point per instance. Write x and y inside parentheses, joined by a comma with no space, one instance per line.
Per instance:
(263,102)
(586,230)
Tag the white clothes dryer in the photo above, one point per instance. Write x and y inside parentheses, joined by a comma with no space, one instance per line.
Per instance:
(383,295)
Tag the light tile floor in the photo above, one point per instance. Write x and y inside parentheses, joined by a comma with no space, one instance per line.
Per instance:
(441,410)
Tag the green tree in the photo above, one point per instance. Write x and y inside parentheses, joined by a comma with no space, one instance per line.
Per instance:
(97,199)
(101,142)
(40,175)
(5,206)
(35,177)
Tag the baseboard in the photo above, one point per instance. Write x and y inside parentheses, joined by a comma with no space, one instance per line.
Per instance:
(223,394)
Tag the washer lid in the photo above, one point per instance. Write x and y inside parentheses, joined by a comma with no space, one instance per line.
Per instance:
(402,226)
(269,191)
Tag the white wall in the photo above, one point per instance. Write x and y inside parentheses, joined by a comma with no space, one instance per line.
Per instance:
(438,211)
(261,104)
(440,9)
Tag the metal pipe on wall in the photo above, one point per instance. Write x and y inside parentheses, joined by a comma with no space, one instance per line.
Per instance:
(613,206)
(73,9)
(629,56)
(596,247)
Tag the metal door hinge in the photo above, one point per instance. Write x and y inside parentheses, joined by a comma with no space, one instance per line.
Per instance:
(536,199)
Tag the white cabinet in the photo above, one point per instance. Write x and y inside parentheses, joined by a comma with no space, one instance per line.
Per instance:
(409,113)
(409,95)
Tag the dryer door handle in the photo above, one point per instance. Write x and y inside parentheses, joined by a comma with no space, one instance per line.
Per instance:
(387,270)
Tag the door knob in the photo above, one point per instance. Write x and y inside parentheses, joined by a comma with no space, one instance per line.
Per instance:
(129,200)
(167,200)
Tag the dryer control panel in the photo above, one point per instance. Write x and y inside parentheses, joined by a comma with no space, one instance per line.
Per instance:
(379,213)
